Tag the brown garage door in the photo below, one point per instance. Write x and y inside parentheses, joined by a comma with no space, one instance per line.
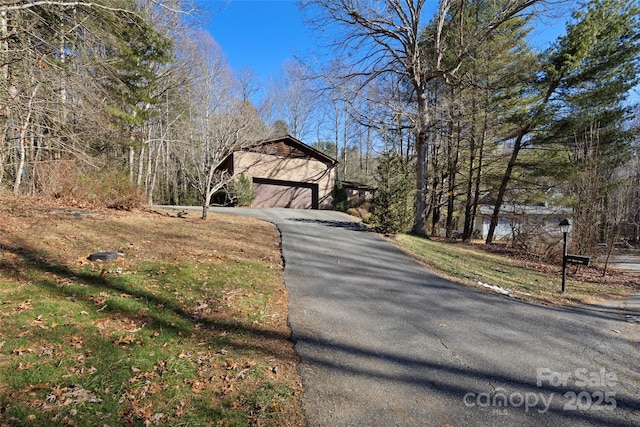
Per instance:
(272,193)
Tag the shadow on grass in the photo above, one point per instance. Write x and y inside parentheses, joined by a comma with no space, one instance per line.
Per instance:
(158,305)
(447,378)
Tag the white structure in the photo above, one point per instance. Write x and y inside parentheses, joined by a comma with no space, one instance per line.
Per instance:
(518,219)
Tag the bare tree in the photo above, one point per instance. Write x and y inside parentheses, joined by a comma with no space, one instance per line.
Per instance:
(220,120)
(62,78)
(386,37)
(292,99)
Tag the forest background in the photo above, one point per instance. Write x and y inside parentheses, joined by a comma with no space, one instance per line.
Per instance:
(442,109)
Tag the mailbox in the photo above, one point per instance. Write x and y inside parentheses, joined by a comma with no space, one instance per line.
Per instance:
(578,259)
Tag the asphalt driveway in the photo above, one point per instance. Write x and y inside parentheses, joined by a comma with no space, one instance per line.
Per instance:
(383,341)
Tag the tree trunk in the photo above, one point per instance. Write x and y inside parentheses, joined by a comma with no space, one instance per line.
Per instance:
(476,192)
(22,154)
(467,232)
(4,73)
(140,166)
(611,246)
(22,142)
(152,171)
(131,160)
(454,152)
(419,224)
(503,186)
(205,209)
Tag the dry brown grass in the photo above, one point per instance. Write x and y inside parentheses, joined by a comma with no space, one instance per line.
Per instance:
(529,277)
(188,327)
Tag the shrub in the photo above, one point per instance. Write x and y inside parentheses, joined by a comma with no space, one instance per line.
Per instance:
(391,205)
(340,200)
(82,185)
(353,212)
(243,192)
(111,188)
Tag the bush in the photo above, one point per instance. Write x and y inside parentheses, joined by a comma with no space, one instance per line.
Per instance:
(340,199)
(82,185)
(113,189)
(353,212)
(243,192)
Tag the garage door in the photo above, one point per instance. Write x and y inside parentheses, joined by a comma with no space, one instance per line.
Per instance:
(271,193)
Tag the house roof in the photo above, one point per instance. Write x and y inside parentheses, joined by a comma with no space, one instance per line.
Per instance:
(509,209)
(356,185)
(296,147)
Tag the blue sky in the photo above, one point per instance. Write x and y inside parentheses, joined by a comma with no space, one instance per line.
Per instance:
(262,34)
(258,34)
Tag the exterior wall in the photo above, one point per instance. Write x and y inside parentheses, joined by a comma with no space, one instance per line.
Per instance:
(354,193)
(507,224)
(503,230)
(259,165)
(519,218)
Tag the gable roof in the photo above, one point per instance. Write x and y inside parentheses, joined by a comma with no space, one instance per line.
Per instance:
(288,146)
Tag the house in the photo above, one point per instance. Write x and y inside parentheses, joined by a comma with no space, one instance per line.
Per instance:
(515,219)
(356,191)
(286,173)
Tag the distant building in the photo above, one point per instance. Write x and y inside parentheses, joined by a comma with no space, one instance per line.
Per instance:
(285,173)
(357,191)
(518,219)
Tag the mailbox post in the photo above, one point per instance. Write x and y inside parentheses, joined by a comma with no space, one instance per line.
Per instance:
(565,227)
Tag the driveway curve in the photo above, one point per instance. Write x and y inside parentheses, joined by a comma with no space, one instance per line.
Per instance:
(383,341)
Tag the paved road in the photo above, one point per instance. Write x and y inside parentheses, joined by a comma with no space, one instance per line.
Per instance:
(626,262)
(385,342)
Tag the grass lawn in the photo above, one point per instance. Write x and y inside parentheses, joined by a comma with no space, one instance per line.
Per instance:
(527,278)
(188,328)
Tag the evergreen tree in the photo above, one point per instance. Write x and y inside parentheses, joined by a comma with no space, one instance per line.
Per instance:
(131,74)
(391,205)
(586,75)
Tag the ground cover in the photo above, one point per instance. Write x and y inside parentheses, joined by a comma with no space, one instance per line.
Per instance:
(187,327)
(526,277)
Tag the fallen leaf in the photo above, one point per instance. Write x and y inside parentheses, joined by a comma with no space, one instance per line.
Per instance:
(25,366)
(161,367)
(197,386)
(180,409)
(228,388)
(77,394)
(157,418)
(76,341)
(21,351)
(46,350)
(129,339)
(23,306)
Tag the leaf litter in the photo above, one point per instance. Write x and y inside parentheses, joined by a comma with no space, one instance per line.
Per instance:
(91,334)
